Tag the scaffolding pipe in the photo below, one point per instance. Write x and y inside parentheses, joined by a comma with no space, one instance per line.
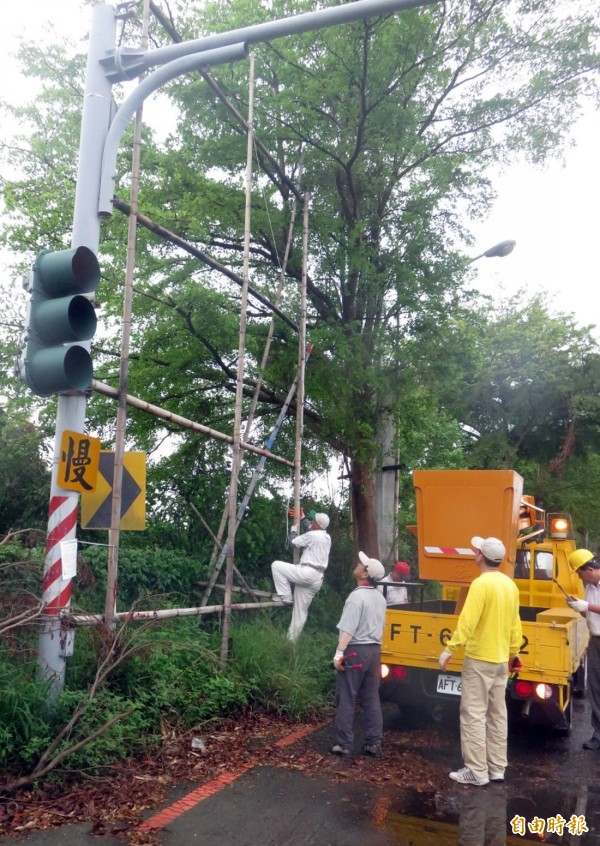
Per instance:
(301,371)
(142,405)
(218,556)
(96,619)
(239,393)
(114,533)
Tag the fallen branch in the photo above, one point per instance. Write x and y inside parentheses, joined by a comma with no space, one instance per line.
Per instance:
(38,772)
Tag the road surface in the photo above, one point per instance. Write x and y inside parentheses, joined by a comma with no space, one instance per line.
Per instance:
(337,802)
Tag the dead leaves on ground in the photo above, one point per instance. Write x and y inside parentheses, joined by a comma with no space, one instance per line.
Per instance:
(116,801)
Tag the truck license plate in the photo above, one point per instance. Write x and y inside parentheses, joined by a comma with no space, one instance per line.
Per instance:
(449,684)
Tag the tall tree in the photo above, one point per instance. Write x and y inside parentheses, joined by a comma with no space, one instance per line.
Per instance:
(529,388)
(396,119)
(24,473)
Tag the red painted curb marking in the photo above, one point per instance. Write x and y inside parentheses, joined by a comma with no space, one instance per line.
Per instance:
(190,800)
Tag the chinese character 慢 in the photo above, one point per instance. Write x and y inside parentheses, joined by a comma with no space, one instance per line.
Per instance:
(77,462)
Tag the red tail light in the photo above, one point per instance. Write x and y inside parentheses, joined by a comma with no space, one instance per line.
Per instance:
(398,673)
(393,671)
(523,689)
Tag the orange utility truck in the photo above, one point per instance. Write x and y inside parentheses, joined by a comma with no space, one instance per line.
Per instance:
(453,506)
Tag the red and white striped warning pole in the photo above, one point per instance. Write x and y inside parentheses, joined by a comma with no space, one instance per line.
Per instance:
(62,520)
(54,642)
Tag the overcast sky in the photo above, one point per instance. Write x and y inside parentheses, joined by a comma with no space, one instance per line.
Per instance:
(553,216)
(551,213)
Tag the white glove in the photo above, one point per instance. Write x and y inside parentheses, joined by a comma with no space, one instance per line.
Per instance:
(578,604)
(338,660)
(445,656)
(294,529)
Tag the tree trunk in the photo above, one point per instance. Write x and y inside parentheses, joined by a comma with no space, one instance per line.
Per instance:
(363,508)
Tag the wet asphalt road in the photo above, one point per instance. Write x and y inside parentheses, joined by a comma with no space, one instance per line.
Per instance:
(550,778)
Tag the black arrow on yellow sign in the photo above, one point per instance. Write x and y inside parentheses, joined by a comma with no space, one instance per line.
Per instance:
(96,507)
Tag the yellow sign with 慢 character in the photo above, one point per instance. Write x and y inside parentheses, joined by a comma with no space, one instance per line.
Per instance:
(78,462)
(96,506)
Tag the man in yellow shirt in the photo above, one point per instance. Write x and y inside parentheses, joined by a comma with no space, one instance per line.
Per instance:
(490,630)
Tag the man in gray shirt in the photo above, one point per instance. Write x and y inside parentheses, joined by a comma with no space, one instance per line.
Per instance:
(357,660)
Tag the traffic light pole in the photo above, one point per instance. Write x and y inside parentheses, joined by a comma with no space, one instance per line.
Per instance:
(55,644)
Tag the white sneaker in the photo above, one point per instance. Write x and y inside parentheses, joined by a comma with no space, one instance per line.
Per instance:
(496,775)
(467,776)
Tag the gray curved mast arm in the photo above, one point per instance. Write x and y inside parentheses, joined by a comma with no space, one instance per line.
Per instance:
(131,104)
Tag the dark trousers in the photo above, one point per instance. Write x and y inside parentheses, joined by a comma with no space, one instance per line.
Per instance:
(593,682)
(360,683)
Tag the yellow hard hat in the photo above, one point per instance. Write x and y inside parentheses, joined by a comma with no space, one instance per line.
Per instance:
(579,558)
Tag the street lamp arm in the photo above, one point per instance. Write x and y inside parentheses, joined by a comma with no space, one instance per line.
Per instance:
(498,250)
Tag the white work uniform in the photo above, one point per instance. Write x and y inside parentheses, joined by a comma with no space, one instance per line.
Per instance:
(306,576)
(395,593)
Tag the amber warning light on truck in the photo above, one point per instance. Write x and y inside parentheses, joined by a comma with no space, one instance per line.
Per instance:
(559,527)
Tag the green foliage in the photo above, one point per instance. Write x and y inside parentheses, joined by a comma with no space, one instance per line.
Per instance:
(176,677)
(21,564)
(173,678)
(148,574)
(293,679)
(395,119)
(528,377)
(24,473)
(25,728)
(132,734)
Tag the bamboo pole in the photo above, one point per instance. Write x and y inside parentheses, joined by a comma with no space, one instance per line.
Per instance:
(235,569)
(278,295)
(217,557)
(177,419)
(121,423)
(166,613)
(301,370)
(237,423)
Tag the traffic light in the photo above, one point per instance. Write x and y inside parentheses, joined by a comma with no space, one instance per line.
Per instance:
(59,317)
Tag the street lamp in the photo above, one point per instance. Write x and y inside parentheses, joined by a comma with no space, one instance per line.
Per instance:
(502,249)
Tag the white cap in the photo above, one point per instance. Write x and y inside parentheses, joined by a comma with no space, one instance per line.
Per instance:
(491,548)
(374,568)
(322,520)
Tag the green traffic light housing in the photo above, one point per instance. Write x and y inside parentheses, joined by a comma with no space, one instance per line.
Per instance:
(60,315)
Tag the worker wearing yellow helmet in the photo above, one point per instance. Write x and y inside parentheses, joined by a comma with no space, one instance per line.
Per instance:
(587,567)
